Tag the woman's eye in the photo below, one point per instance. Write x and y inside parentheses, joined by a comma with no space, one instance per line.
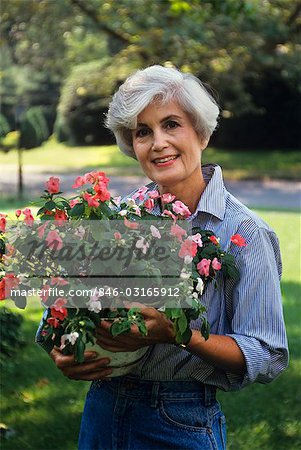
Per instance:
(171,124)
(142,132)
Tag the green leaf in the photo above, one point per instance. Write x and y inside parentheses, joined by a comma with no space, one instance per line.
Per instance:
(182,323)
(79,350)
(120,328)
(40,211)
(205,329)
(50,205)
(142,328)
(77,210)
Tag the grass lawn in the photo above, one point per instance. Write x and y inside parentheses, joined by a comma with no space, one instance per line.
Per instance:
(247,164)
(43,408)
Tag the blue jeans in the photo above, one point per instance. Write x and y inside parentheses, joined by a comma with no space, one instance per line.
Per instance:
(131,414)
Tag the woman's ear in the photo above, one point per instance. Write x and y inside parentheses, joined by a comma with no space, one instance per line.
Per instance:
(204,142)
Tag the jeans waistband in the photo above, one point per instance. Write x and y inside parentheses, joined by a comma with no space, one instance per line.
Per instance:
(153,391)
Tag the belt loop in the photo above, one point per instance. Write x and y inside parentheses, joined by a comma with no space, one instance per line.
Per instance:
(208,397)
(155,394)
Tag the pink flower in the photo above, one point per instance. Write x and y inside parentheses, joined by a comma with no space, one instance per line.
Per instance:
(169,213)
(214,240)
(216,264)
(29,219)
(45,293)
(101,192)
(57,310)
(11,281)
(203,267)
(167,198)
(153,194)
(188,248)
(2,224)
(117,235)
(2,289)
(8,282)
(54,240)
(149,203)
(90,177)
(60,302)
(41,230)
(155,232)
(101,177)
(74,202)
(130,225)
(79,181)
(18,213)
(53,185)
(60,217)
(238,240)
(140,193)
(180,208)
(178,232)
(58,281)
(197,238)
(53,322)
(92,201)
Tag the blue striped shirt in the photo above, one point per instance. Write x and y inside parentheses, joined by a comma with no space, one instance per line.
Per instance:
(250,311)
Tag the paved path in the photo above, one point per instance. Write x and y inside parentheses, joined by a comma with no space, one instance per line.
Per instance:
(268,194)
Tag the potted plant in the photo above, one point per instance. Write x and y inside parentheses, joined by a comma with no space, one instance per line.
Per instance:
(74,250)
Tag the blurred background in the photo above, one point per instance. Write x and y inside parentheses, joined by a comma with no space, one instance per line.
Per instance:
(61,61)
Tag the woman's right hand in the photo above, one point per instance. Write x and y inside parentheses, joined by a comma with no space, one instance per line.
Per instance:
(93,368)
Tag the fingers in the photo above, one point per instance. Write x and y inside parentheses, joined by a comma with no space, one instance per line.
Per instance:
(92,368)
(89,371)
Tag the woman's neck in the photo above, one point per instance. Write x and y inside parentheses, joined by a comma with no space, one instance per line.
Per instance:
(188,193)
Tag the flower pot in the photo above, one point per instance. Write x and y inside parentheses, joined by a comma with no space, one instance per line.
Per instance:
(122,363)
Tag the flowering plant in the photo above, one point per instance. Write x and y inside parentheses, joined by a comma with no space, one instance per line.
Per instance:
(156,258)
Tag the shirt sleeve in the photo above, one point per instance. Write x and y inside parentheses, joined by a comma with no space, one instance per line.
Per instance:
(257,323)
(39,338)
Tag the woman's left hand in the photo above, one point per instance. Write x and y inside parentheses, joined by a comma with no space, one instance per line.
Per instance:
(159,330)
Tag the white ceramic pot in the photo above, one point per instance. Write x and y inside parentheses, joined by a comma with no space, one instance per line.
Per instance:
(122,363)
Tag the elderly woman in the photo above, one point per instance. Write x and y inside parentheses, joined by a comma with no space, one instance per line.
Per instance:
(164,119)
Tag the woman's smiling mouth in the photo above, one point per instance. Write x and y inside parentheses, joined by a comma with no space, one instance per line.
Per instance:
(166,161)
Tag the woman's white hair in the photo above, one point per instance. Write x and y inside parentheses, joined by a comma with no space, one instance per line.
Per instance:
(164,85)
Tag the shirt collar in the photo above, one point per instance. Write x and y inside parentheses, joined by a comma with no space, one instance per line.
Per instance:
(212,200)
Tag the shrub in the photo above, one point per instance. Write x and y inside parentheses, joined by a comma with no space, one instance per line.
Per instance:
(85,98)
(33,128)
(4,126)
(10,333)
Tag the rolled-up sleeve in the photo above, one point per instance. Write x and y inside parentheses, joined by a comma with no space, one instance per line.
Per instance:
(257,323)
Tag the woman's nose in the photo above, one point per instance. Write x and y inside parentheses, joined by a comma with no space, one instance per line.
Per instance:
(159,140)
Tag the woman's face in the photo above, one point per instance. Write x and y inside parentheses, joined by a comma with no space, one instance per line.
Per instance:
(167,146)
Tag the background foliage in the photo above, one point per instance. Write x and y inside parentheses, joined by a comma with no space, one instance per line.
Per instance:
(248,51)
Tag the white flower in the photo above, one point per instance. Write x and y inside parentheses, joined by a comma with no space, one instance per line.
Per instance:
(72,337)
(117,200)
(137,210)
(130,202)
(94,305)
(80,232)
(155,232)
(195,295)
(188,259)
(143,245)
(200,286)
(197,238)
(123,212)
(184,274)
